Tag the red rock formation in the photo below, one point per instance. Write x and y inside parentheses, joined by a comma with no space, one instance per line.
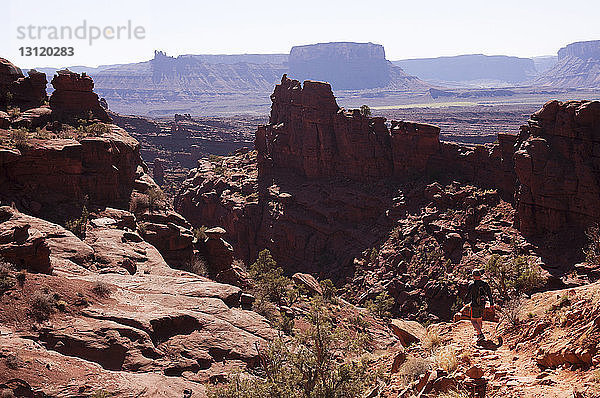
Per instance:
(309,134)
(30,92)
(166,330)
(19,90)
(73,97)
(46,177)
(558,165)
(158,171)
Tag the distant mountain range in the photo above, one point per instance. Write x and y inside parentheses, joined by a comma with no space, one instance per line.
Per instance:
(206,84)
(195,83)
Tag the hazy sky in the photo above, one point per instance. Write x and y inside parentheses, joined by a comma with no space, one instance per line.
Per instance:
(407,29)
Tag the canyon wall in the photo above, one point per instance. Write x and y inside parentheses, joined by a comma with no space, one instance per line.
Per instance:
(557,161)
(581,49)
(330,183)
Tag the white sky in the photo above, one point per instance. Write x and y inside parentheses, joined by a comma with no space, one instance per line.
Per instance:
(407,29)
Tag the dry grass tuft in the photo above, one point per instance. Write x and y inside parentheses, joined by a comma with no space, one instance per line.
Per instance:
(413,368)
(446,359)
(454,394)
(432,339)
(101,289)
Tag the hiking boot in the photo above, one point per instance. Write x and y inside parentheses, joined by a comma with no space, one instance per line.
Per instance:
(480,338)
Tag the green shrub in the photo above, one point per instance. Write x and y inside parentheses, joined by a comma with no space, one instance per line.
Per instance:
(156,199)
(199,233)
(101,289)
(41,134)
(139,204)
(414,367)
(94,130)
(512,276)
(7,281)
(306,366)
(268,278)
(381,306)
(214,158)
(373,254)
(198,266)
(79,225)
(329,290)
(19,137)
(13,362)
(13,111)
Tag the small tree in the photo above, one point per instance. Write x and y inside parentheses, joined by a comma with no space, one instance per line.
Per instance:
(156,199)
(382,305)
(79,225)
(268,278)
(512,276)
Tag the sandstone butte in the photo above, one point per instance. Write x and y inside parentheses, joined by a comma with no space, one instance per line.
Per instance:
(331,193)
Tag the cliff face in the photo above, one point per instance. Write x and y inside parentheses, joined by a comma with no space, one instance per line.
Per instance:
(349,66)
(309,135)
(581,49)
(557,162)
(578,67)
(47,177)
(344,65)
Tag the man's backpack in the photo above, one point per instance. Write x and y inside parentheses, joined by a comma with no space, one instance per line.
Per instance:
(478,295)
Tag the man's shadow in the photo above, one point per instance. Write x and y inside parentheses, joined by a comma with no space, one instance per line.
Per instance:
(490,345)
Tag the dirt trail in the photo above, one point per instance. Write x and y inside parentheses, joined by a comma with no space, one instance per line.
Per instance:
(510,372)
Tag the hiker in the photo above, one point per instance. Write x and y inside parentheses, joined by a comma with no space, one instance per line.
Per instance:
(476,294)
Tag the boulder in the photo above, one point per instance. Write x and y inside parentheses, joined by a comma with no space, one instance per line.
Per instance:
(39,245)
(29,92)
(309,282)
(408,332)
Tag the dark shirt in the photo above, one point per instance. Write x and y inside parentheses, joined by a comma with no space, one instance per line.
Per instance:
(472,292)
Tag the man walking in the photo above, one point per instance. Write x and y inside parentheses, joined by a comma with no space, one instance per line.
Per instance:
(476,295)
